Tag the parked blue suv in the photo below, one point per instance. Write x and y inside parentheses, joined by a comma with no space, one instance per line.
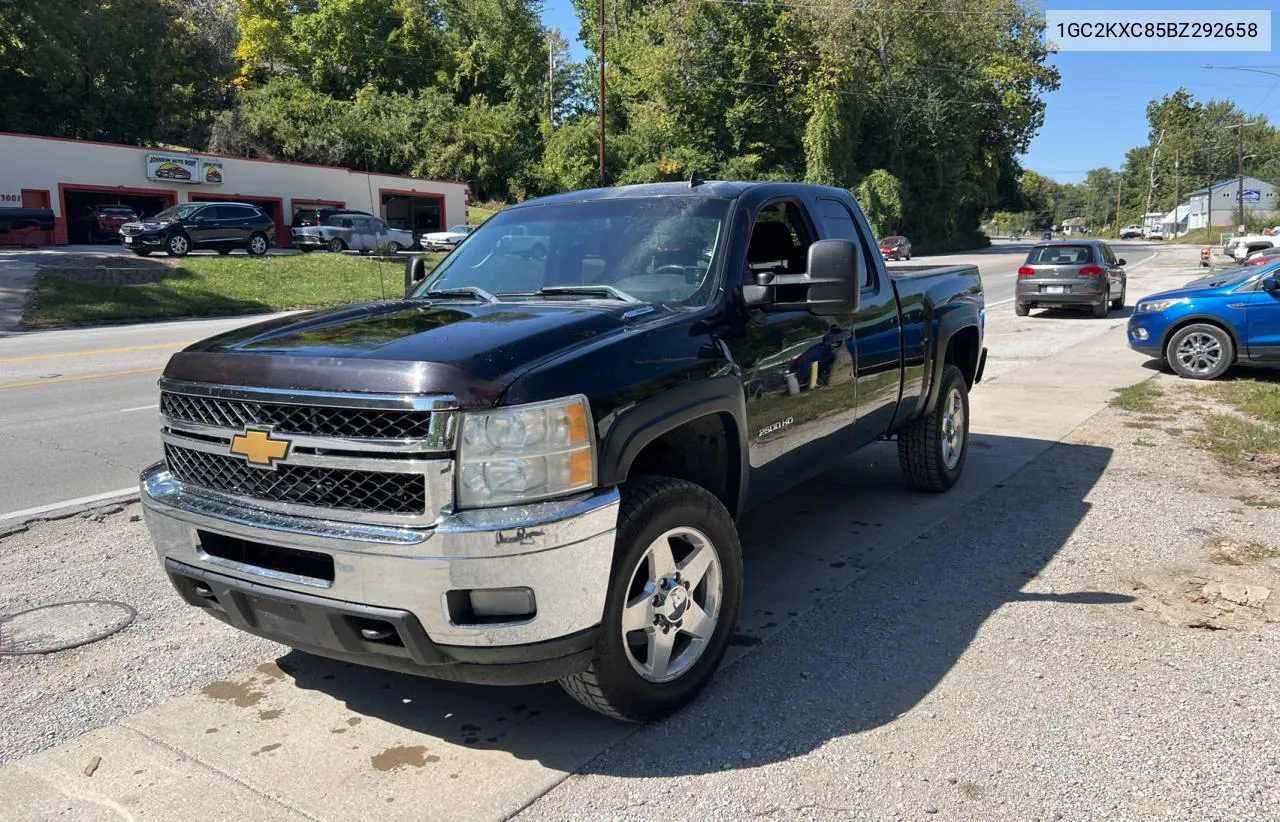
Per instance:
(1201,329)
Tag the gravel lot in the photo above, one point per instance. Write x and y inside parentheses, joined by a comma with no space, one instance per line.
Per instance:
(1030,660)
(168,650)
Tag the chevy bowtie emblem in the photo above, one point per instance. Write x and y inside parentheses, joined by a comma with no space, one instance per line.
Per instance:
(259,448)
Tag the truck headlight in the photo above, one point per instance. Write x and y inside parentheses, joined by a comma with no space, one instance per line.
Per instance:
(525,453)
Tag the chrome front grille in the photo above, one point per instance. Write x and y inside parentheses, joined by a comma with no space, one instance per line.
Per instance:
(337,489)
(375,458)
(357,423)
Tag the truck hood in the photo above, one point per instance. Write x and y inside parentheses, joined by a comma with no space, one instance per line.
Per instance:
(473,351)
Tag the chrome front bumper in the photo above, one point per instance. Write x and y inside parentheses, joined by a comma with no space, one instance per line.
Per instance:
(561,550)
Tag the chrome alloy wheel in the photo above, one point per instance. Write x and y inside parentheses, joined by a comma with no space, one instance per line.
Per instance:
(673,602)
(178,244)
(1199,353)
(952,428)
(258,244)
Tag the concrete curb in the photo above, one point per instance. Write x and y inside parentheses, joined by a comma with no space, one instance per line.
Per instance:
(20,521)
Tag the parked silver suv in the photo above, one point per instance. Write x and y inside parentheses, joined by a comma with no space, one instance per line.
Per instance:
(351,230)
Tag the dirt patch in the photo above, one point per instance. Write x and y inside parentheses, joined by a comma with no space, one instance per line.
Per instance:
(1228,551)
(1210,597)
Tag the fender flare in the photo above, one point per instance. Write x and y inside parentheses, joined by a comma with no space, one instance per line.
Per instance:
(629,429)
(949,325)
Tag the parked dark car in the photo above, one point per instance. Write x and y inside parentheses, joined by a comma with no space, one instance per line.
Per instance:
(103,220)
(895,248)
(16,219)
(221,227)
(529,469)
(1046,235)
(1071,273)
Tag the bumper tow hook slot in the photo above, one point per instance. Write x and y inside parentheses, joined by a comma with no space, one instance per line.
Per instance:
(375,634)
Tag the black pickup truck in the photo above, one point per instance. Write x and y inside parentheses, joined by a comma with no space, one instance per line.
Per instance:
(529,468)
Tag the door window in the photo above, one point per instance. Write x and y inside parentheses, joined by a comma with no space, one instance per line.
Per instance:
(839,224)
(1108,255)
(780,240)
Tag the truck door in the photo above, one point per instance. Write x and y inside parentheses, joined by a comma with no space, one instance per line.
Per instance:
(797,368)
(877,332)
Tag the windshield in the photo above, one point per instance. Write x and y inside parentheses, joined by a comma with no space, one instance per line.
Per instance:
(1060,255)
(459,229)
(656,249)
(177,212)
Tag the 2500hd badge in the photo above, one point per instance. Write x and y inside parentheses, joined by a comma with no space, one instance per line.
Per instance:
(530,467)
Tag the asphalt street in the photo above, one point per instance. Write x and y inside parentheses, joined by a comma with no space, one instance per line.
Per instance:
(78,407)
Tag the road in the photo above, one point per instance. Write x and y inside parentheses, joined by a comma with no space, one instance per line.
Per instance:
(78,407)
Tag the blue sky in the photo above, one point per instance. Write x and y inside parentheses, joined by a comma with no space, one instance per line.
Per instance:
(1099,112)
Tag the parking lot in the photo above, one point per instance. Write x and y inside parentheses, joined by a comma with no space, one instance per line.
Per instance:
(996,652)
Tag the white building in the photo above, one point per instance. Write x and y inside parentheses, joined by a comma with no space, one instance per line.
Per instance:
(1074,227)
(70,176)
(1223,200)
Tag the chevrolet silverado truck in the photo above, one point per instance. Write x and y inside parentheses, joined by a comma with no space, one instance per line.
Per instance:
(529,469)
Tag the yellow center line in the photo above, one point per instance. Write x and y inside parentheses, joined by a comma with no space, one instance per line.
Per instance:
(100,351)
(102,376)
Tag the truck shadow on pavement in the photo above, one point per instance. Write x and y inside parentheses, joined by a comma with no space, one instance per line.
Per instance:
(862,596)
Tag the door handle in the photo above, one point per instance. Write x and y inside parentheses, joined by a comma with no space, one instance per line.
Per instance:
(836,336)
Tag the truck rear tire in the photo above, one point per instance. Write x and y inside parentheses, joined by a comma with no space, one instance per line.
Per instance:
(932,448)
(672,602)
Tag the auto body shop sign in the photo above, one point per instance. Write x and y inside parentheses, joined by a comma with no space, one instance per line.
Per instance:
(183,168)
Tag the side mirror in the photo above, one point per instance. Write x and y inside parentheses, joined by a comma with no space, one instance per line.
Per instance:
(830,288)
(415,272)
(1121,261)
(835,277)
(1270,283)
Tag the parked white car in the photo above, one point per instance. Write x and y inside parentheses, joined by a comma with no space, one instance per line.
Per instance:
(1132,231)
(520,240)
(1238,248)
(445,240)
(354,231)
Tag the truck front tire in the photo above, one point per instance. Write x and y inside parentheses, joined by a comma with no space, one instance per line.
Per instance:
(672,603)
(932,448)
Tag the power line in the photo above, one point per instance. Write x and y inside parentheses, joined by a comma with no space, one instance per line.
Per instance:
(863,9)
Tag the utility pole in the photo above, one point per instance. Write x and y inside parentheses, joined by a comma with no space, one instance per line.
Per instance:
(1208,173)
(1151,181)
(1119,182)
(602,93)
(551,83)
(1177,163)
(1240,169)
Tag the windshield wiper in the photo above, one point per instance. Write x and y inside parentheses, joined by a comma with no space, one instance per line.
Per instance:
(463,291)
(589,290)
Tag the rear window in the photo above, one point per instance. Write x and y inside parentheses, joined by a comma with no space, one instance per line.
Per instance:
(1060,255)
(306,216)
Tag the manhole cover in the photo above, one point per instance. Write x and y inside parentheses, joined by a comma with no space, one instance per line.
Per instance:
(61,626)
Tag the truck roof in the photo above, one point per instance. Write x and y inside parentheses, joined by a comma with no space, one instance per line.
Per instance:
(711,188)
